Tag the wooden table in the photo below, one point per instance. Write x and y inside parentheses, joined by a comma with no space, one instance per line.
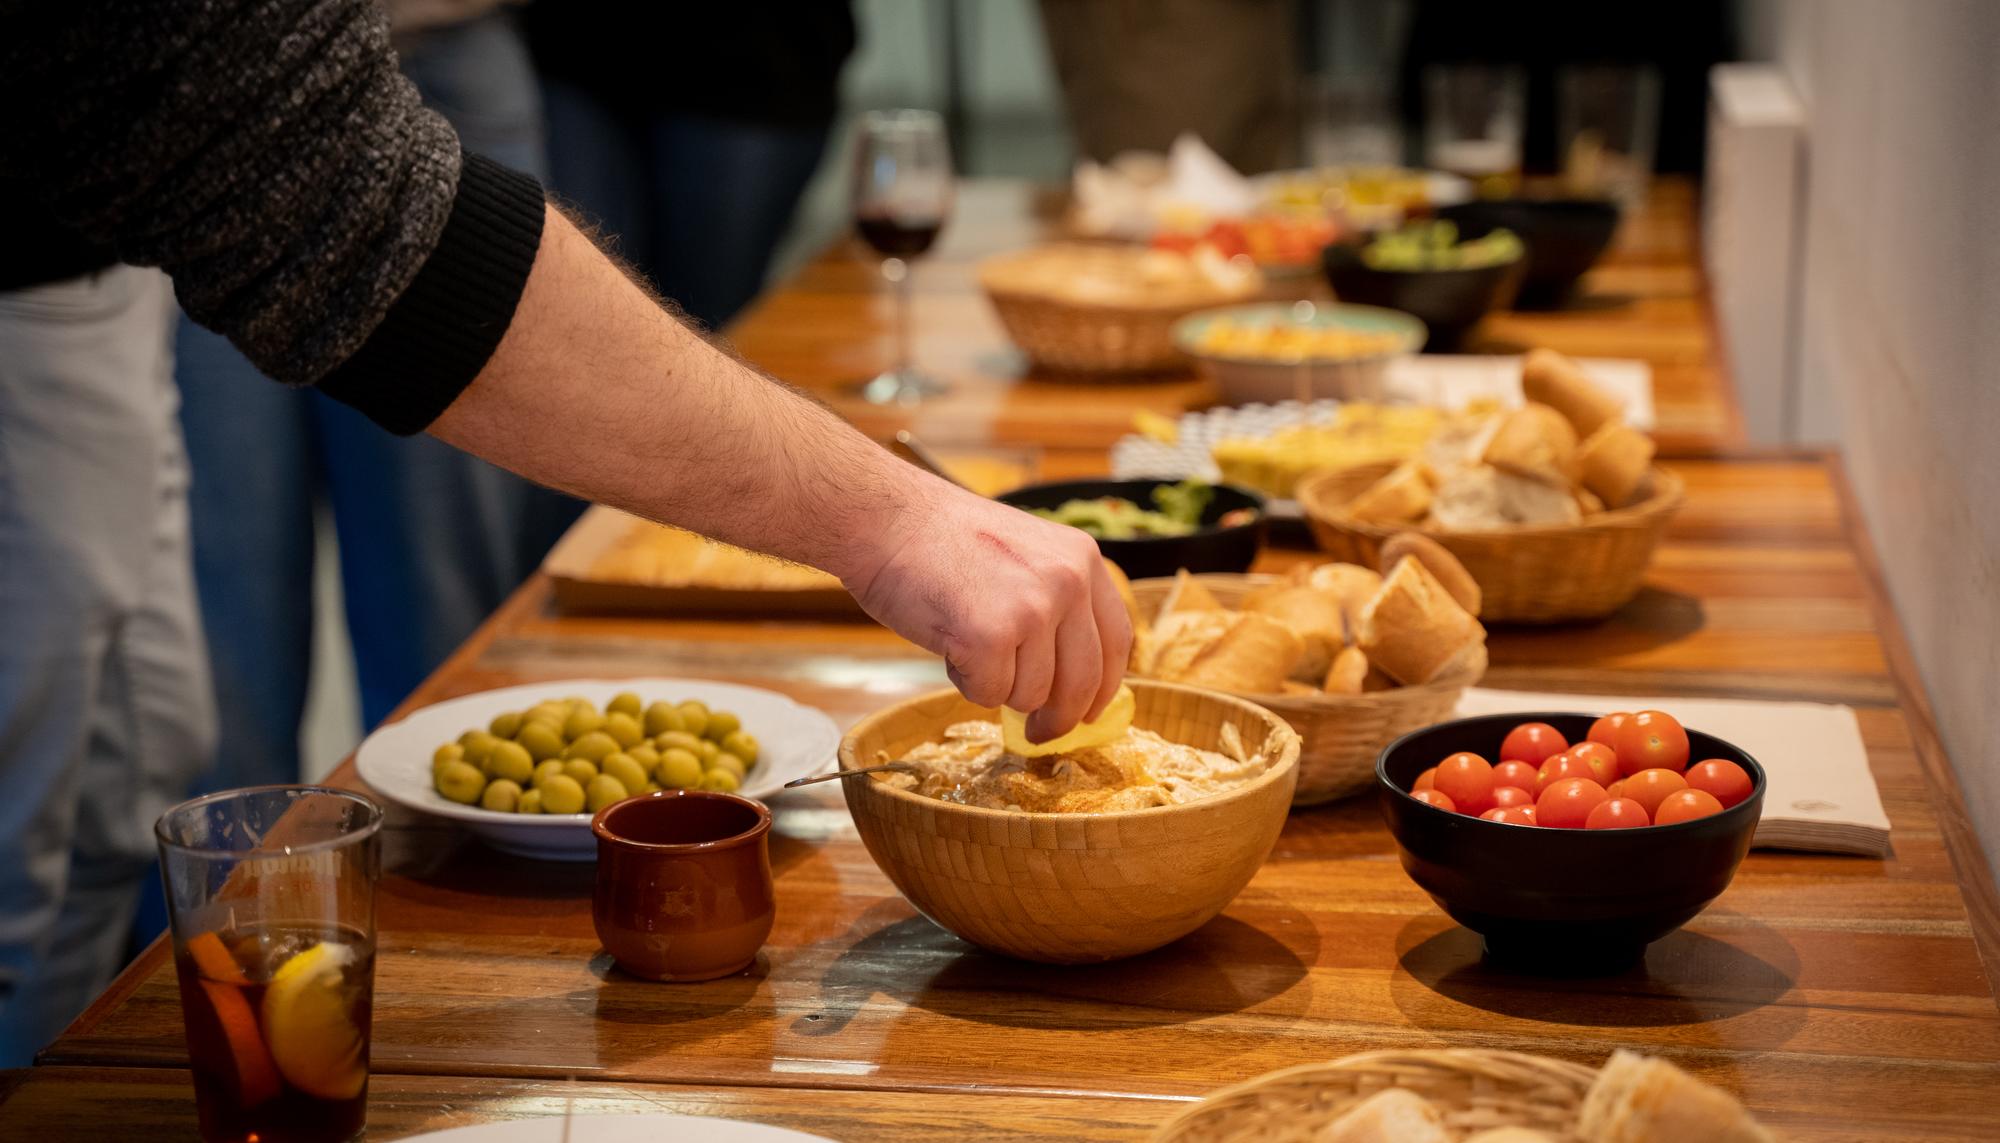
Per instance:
(1843,998)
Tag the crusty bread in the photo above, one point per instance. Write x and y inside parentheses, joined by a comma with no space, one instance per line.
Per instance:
(1392,1115)
(1314,616)
(1535,441)
(1375,680)
(1179,637)
(1549,378)
(1347,674)
(1460,441)
(1468,500)
(1352,583)
(1297,689)
(1400,497)
(1587,501)
(1436,560)
(1415,631)
(1531,502)
(1636,1099)
(1253,655)
(1614,460)
(1188,594)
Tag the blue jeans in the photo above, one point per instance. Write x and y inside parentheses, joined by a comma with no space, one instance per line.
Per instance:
(697,205)
(431,540)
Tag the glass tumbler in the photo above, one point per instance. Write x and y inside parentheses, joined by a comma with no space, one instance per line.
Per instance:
(1607,120)
(1473,123)
(272,896)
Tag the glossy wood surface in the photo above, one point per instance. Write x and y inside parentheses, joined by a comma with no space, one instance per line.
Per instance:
(1844,998)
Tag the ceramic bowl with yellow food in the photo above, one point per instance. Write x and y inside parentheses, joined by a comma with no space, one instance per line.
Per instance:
(1301,350)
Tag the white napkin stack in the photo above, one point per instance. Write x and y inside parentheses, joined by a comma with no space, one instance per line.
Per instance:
(1822,797)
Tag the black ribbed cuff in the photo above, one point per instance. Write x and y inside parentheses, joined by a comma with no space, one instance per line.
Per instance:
(437,336)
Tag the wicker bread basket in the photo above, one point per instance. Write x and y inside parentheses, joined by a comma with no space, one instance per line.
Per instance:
(1475,1089)
(1540,574)
(1341,734)
(1086,337)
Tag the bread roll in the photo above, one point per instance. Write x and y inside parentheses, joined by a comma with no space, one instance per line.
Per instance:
(1403,496)
(1551,379)
(1641,1100)
(1352,583)
(1179,637)
(1536,442)
(1253,655)
(1392,1115)
(1188,594)
(1313,615)
(1460,441)
(1530,502)
(1587,501)
(1415,631)
(1347,674)
(1438,561)
(1297,689)
(1614,460)
(1375,680)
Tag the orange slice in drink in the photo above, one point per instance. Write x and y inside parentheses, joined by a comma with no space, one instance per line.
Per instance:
(256,1079)
(211,958)
(307,1022)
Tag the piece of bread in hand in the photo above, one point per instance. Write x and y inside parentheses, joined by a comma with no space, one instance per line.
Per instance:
(1415,631)
(1188,594)
(1253,655)
(1314,616)
(1438,561)
(1536,442)
(1637,1099)
(1392,1115)
(1347,673)
(1400,497)
(1549,378)
(1614,460)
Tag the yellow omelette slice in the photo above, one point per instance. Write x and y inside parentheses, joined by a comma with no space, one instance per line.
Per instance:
(1106,727)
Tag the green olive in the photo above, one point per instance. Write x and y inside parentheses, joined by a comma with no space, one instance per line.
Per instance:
(506,725)
(693,704)
(581,722)
(742,745)
(680,770)
(501,795)
(719,779)
(510,761)
(604,790)
(530,803)
(478,744)
(449,752)
(708,751)
(729,762)
(624,702)
(547,709)
(582,770)
(592,746)
(546,770)
(541,740)
(679,740)
(460,782)
(722,724)
(623,767)
(624,729)
(578,702)
(695,716)
(662,717)
(647,757)
(562,794)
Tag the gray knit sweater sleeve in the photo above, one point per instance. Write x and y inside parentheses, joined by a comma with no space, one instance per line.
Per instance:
(271,158)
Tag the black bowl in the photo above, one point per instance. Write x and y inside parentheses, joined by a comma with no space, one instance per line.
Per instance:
(1211,549)
(1565,237)
(1450,302)
(1560,901)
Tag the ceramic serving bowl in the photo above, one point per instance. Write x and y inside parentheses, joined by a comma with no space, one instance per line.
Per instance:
(1073,888)
(1565,237)
(1247,378)
(1214,547)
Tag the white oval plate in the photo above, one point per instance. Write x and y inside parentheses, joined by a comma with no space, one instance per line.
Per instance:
(620,1129)
(793,740)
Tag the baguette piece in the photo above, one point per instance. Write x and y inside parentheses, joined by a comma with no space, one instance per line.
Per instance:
(1438,561)
(1180,637)
(1637,1099)
(1415,631)
(1314,616)
(1188,594)
(1375,680)
(1348,674)
(1353,584)
(1469,501)
(1536,442)
(1614,460)
(1532,502)
(1549,378)
(1392,1115)
(1254,655)
(1400,497)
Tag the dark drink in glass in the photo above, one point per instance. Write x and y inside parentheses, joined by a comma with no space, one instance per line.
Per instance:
(894,237)
(902,194)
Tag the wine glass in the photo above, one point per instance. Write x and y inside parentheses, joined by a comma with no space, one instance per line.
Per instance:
(902,194)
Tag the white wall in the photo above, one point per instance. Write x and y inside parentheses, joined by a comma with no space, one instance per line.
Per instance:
(1900,342)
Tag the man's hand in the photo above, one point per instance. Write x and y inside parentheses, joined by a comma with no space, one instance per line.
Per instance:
(1021,608)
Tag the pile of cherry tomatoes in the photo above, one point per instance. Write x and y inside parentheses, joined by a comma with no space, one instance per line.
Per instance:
(1632,770)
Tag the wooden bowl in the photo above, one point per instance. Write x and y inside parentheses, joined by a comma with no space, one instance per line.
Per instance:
(1526,574)
(1073,888)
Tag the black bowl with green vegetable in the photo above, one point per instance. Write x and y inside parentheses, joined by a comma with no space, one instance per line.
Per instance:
(1425,269)
(1153,528)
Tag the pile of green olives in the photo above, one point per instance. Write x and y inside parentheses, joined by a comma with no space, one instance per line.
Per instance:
(565,756)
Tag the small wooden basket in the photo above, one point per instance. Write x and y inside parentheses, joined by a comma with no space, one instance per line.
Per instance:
(1096,338)
(1341,734)
(1529,574)
(1475,1089)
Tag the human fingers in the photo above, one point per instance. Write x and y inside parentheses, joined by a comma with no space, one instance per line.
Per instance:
(1078,664)
(979,661)
(1114,638)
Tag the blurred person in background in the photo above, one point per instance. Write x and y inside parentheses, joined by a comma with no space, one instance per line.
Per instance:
(431,540)
(1136,74)
(692,171)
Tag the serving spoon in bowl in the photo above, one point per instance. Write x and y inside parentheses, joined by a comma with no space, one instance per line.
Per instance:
(878,768)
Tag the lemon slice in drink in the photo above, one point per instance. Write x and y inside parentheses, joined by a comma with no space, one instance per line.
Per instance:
(312,1038)
(1106,727)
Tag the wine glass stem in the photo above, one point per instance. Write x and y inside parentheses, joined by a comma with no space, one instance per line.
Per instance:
(899,271)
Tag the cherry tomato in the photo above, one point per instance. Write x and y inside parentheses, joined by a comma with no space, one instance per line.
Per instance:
(1721,777)
(1651,787)
(1616,789)
(1511,815)
(1560,767)
(1618,813)
(1532,742)
(1425,780)
(1467,779)
(1515,774)
(1686,806)
(1567,804)
(1650,740)
(1599,757)
(1605,728)
(1433,798)
(1504,796)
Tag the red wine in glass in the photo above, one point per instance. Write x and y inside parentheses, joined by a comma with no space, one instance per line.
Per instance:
(902,194)
(897,237)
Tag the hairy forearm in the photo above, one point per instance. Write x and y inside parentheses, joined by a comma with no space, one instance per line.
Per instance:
(626,405)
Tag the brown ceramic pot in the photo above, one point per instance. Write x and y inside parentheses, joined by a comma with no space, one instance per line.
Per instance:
(683,883)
